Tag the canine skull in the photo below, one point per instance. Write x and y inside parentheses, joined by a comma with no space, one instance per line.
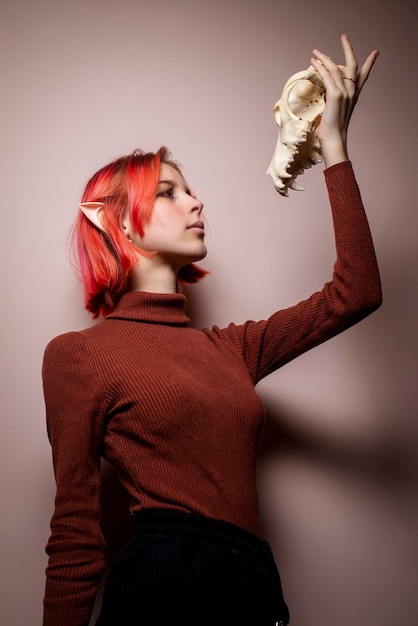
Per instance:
(297,114)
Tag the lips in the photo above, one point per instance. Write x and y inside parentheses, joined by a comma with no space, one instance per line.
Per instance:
(199,225)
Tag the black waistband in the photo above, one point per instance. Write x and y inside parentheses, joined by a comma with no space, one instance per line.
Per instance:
(165,522)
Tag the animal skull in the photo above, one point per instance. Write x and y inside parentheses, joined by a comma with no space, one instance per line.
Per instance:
(297,114)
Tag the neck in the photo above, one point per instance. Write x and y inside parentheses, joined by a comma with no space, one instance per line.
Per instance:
(153,278)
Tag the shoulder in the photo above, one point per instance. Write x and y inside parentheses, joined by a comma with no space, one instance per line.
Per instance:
(68,352)
(65,344)
(233,335)
(75,340)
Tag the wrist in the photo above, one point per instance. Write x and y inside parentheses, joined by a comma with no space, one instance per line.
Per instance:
(334,152)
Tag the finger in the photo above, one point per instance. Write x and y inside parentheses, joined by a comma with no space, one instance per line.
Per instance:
(326,61)
(366,69)
(322,70)
(327,68)
(351,65)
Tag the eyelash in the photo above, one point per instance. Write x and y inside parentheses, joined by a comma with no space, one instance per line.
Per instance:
(167,193)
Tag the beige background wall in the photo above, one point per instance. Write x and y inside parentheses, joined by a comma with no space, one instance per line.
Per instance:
(84,81)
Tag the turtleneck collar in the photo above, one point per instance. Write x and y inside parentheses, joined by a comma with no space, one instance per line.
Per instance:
(157,308)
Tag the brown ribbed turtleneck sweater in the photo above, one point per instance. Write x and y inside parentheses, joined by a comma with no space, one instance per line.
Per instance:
(174,408)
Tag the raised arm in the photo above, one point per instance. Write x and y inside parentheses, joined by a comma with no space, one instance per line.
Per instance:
(354,290)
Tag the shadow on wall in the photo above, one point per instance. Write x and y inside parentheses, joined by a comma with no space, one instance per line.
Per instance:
(380,463)
(116,521)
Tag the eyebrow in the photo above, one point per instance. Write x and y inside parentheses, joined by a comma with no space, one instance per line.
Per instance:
(167,181)
(173,183)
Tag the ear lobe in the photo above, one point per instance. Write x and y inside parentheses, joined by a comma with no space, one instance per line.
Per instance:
(92,210)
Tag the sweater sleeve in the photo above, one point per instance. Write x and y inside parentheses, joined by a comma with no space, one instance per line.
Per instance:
(75,410)
(353,293)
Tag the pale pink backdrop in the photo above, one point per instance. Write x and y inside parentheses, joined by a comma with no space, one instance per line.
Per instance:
(84,81)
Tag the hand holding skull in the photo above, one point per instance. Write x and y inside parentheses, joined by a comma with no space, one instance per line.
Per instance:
(313,115)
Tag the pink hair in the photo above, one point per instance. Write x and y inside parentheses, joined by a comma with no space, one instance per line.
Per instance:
(105,258)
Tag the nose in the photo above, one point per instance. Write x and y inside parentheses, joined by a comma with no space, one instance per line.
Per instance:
(196,205)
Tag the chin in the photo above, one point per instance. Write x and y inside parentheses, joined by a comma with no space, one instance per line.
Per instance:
(202,255)
(194,258)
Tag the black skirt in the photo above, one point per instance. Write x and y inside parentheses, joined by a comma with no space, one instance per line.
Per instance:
(187,569)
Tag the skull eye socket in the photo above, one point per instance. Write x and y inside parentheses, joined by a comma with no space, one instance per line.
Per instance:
(297,114)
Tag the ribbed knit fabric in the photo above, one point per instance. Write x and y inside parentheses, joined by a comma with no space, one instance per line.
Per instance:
(174,408)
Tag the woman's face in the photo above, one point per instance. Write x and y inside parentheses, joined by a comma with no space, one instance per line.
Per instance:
(175,232)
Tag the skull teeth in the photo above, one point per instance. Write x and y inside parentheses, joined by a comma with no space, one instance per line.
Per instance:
(293,185)
(297,115)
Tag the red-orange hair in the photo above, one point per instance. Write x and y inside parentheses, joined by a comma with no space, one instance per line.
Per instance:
(105,258)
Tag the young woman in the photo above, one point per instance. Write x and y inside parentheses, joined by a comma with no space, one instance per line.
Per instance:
(173,408)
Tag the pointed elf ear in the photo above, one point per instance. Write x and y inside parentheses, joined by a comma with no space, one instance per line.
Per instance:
(91,210)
